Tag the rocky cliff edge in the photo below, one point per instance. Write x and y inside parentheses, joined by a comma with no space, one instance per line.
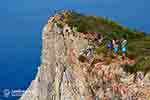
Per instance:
(61,76)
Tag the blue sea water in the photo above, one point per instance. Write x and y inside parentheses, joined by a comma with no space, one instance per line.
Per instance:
(21,23)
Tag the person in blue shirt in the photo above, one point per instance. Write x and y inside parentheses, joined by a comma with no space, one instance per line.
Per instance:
(124,44)
(110,45)
(115,43)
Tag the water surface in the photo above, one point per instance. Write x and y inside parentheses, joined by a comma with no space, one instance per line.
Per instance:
(21,22)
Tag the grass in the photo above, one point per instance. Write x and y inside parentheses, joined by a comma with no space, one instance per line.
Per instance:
(138,42)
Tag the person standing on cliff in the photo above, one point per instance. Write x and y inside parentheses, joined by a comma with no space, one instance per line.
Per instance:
(110,45)
(115,43)
(98,38)
(124,43)
(89,53)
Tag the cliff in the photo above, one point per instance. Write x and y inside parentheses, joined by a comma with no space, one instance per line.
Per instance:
(66,75)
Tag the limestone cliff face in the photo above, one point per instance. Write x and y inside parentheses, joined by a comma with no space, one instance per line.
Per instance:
(62,77)
(54,80)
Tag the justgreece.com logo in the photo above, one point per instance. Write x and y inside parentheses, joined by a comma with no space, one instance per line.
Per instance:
(9,92)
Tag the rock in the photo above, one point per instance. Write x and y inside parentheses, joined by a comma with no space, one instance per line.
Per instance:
(147,77)
(61,76)
(67,29)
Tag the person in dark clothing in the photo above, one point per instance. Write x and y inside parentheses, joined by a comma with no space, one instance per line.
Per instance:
(110,45)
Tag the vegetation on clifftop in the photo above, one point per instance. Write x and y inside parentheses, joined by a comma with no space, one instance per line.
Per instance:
(138,42)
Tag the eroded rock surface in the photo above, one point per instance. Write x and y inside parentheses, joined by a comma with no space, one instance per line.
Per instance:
(62,77)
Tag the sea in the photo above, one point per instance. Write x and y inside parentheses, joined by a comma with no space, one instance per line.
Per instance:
(21,23)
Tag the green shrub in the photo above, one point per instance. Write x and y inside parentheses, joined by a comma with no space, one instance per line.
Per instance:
(143,64)
(138,42)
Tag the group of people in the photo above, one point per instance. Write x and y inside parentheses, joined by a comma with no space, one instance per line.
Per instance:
(116,44)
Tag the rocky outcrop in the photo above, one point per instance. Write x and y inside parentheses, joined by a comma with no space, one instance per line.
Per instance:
(59,53)
(62,76)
